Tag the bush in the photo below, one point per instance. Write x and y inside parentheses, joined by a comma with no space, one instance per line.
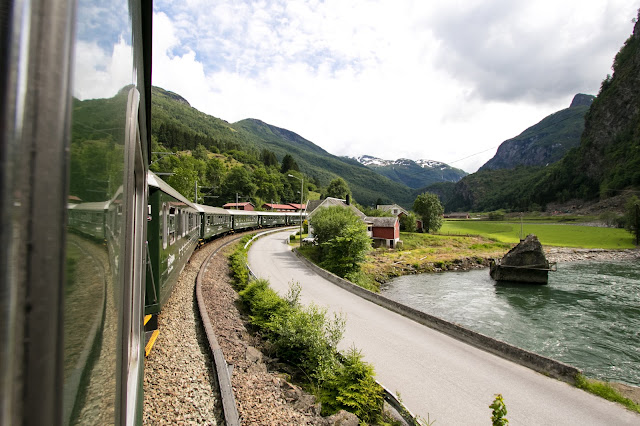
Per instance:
(238,265)
(353,388)
(264,304)
(305,337)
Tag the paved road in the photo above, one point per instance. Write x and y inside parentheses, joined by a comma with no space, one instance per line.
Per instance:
(436,375)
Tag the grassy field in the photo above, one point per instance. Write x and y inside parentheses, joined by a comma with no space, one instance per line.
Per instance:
(550,234)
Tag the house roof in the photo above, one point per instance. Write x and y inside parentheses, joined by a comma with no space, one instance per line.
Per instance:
(246,203)
(298,206)
(279,206)
(390,207)
(382,222)
(313,205)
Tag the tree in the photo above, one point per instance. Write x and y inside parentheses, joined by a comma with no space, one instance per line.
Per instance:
(268,158)
(238,181)
(408,222)
(288,163)
(200,153)
(342,237)
(215,172)
(632,216)
(338,188)
(427,206)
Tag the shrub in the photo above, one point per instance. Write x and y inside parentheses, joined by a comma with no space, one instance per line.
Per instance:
(343,239)
(305,337)
(264,304)
(353,388)
(499,410)
(238,265)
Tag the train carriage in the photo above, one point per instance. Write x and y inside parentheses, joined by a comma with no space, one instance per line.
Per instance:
(245,220)
(214,221)
(173,230)
(268,219)
(89,218)
(294,218)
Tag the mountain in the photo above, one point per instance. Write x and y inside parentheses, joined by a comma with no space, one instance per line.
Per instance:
(545,142)
(414,174)
(178,126)
(606,163)
(367,186)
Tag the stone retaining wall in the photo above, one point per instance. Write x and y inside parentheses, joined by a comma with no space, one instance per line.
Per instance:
(523,357)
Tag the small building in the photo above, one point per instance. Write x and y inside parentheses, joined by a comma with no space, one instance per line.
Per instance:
(385,231)
(279,207)
(394,209)
(314,205)
(239,206)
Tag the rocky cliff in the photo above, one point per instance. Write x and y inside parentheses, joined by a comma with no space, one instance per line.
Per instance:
(545,142)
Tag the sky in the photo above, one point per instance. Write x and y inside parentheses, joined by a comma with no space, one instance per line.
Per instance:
(443,80)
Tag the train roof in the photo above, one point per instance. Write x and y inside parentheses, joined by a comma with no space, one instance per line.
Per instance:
(244,212)
(270,213)
(155,181)
(209,209)
(92,206)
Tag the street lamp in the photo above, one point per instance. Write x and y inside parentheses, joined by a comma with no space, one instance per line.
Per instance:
(301,189)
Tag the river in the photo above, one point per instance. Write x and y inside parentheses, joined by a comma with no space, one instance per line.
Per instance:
(587,316)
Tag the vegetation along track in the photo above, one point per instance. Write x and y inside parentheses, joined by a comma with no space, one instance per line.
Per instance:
(180,385)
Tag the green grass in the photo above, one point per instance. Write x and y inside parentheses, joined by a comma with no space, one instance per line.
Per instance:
(604,390)
(550,234)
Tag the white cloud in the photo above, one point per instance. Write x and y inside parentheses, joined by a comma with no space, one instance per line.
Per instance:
(394,79)
(101,74)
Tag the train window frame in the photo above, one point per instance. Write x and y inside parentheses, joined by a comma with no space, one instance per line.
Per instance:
(172,225)
(165,227)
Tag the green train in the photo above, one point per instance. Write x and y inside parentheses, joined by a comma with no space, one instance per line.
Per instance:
(91,240)
(175,228)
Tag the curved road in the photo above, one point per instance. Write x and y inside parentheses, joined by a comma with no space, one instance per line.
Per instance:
(436,375)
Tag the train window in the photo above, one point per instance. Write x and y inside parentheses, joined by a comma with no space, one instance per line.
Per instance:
(172,225)
(178,224)
(165,228)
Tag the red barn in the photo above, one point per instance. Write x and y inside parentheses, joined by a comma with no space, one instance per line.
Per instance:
(385,230)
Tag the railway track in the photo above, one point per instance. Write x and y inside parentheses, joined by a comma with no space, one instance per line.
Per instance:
(180,384)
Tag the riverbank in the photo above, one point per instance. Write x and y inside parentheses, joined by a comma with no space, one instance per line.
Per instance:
(569,254)
(424,253)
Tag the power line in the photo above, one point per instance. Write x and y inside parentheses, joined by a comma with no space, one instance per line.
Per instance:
(537,130)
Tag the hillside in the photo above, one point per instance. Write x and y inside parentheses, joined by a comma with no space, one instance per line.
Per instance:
(179,127)
(366,185)
(414,174)
(545,142)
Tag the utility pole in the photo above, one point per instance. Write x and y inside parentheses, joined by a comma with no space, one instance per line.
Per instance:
(301,199)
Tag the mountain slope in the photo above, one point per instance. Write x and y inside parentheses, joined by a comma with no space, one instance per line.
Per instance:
(178,126)
(545,142)
(606,162)
(414,174)
(365,185)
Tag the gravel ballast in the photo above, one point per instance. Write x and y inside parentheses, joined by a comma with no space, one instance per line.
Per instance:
(179,384)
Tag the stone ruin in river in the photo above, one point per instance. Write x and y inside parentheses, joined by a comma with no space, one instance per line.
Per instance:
(525,263)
